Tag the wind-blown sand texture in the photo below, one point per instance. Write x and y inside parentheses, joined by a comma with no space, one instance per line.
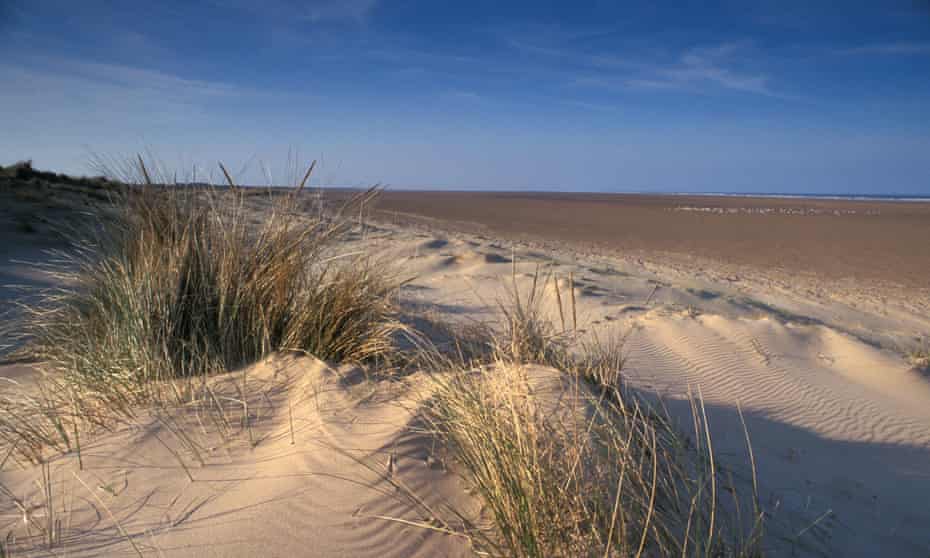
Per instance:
(840,427)
(317,474)
(865,254)
(839,421)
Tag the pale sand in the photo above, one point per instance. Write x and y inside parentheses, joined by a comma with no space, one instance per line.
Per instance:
(839,426)
(326,487)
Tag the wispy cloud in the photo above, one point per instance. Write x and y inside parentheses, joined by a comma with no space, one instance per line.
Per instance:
(529,48)
(719,66)
(77,107)
(900,48)
(322,10)
(314,11)
(711,65)
(406,56)
(110,88)
(152,81)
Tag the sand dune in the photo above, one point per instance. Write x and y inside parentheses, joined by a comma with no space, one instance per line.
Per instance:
(839,422)
(840,427)
(327,487)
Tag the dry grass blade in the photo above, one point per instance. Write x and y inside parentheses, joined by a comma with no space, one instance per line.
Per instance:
(571,290)
(229,179)
(305,178)
(558,300)
(527,334)
(145,173)
(116,521)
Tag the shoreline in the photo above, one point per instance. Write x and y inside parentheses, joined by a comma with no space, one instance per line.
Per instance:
(876,244)
(872,198)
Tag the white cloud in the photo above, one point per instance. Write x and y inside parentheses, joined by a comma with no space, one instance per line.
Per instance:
(693,69)
(710,65)
(152,81)
(124,84)
(78,96)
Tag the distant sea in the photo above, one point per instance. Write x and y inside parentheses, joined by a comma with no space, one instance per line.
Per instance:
(861,197)
(795,195)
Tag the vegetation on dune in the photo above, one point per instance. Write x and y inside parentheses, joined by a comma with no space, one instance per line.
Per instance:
(35,202)
(919,357)
(568,460)
(28,183)
(528,335)
(590,473)
(182,284)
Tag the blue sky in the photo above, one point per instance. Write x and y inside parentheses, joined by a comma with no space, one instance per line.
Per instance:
(742,95)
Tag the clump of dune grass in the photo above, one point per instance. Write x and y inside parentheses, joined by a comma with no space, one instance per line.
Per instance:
(570,469)
(526,333)
(919,357)
(182,283)
(569,461)
(600,358)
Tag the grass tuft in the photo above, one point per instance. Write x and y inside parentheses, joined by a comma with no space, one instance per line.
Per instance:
(569,461)
(527,335)
(181,283)
(566,470)
(919,358)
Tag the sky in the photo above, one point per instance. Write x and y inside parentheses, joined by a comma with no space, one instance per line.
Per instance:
(687,96)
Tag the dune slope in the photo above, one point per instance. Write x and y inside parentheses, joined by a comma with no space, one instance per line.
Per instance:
(322,468)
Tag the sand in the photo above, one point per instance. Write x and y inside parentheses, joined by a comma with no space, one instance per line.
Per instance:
(326,470)
(840,239)
(840,426)
(839,421)
(864,255)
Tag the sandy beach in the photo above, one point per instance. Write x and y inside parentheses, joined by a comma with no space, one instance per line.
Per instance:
(838,417)
(880,241)
(838,423)
(863,262)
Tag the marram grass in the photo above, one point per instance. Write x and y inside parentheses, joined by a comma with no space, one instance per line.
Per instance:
(181,283)
(571,463)
(567,468)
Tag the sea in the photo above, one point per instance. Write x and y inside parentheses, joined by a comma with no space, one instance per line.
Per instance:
(820,196)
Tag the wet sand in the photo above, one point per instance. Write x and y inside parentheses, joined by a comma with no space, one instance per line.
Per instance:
(886,243)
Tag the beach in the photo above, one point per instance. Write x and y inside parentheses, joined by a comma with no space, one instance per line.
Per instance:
(881,242)
(779,321)
(786,325)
